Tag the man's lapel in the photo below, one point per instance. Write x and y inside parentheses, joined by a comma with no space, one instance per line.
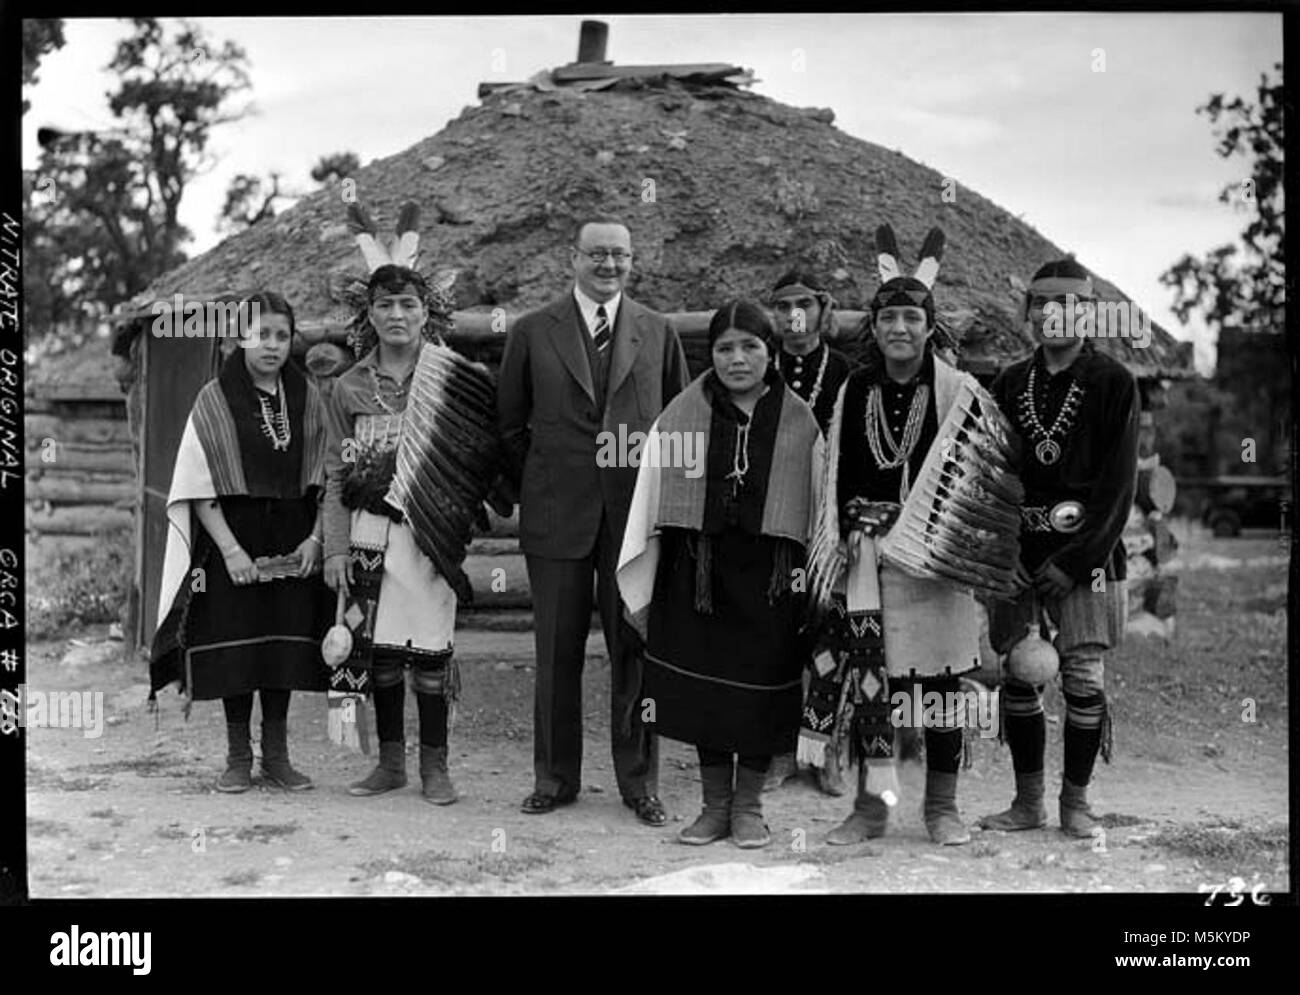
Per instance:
(566,332)
(627,343)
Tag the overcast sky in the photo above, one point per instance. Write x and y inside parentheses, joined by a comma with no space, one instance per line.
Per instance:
(1112,165)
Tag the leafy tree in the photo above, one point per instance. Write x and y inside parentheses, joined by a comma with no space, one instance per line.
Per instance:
(249,200)
(41,36)
(104,206)
(1243,286)
(335,166)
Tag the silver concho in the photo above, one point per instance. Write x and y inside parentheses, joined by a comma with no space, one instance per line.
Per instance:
(1066,517)
(1048,452)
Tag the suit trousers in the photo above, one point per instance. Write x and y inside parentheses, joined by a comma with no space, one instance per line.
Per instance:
(562,603)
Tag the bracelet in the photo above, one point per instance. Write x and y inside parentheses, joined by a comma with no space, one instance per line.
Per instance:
(231,551)
(316,539)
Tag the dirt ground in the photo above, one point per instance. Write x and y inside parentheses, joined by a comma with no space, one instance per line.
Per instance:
(1195,797)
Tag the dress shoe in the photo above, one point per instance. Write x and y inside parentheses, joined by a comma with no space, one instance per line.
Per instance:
(539,802)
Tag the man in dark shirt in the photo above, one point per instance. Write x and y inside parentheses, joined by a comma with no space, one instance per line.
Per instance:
(1076,410)
(805,313)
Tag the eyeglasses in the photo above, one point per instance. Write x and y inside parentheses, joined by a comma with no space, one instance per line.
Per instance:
(598,256)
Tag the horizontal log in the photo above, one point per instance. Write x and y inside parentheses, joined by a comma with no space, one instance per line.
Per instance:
(1140,567)
(74,457)
(99,430)
(66,489)
(499,581)
(1143,623)
(503,528)
(1137,542)
(1156,489)
(78,520)
(1164,543)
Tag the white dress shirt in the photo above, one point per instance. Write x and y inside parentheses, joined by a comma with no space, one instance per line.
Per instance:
(588,308)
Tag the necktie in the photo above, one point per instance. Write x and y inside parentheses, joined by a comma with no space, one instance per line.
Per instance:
(602,335)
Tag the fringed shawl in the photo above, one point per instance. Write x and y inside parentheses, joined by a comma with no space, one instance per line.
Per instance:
(665,497)
(210,462)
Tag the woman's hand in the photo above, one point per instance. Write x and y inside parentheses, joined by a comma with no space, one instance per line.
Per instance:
(338,572)
(309,555)
(240,567)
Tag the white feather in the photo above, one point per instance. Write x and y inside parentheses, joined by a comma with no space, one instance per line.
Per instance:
(926,270)
(887,266)
(374,253)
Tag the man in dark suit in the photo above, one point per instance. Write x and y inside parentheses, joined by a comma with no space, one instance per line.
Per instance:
(587,364)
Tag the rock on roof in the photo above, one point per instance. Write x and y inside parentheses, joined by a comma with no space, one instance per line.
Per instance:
(723,191)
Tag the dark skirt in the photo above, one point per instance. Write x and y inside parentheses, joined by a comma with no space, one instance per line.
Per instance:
(228,640)
(730,680)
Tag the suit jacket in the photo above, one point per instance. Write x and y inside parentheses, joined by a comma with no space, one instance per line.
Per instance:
(549,422)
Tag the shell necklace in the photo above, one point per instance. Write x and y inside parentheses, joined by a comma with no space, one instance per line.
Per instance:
(817,384)
(1046,449)
(275,425)
(887,453)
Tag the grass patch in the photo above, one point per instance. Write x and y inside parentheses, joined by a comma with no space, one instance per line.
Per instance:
(81,586)
(1225,841)
(439,867)
(1116,820)
(47,827)
(265,832)
(151,766)
(241,879)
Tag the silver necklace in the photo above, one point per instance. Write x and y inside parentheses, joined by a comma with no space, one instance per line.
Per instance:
(817,384)
(1046,449)
(275,426)
(888,453)
(399,393)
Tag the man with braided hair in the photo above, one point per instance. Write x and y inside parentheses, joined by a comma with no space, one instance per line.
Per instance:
(1077,413)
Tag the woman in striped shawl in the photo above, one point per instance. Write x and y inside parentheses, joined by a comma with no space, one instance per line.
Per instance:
(712,564)
(242,607)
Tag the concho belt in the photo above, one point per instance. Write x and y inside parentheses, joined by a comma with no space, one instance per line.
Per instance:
(1065,517)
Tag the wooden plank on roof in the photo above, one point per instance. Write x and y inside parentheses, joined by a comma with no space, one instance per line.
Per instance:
(587,70)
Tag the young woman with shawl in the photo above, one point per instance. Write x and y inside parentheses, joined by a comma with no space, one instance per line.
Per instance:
(249,474)
(711,568)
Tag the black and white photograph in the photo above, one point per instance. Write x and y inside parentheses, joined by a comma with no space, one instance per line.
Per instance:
(633,455)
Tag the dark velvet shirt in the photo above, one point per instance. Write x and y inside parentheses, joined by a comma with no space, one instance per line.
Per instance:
(1098,462)
(800,373)
(859,476)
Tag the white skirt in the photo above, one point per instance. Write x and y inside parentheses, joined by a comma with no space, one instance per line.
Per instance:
(417,607)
